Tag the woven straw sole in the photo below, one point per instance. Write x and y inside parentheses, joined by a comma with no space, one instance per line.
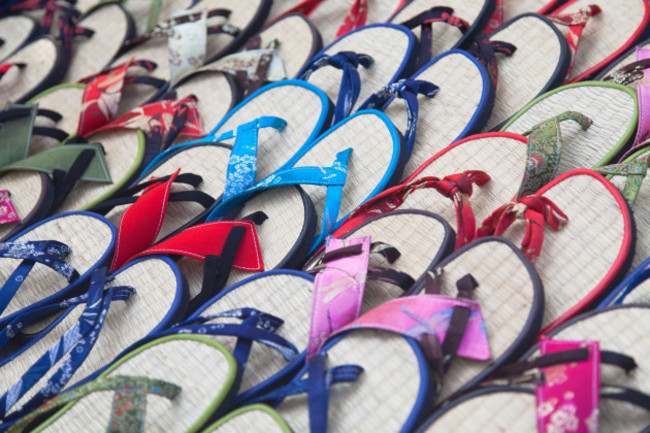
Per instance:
(204,370)
(624,60)
(208,161)
(90,239)
(444,36)
(502,156)
(422,239)
(40,57)
(450,115)
(124,150)
(622,330)
(538,64)
(513,8)
(158,285)
(390,48)
(612,107)
(329,15)
(256,417)
(383,396)
(285,231)
(112,27)
(15,31)
(371,164)
(27,191)
(606,35)
(285,295)
(580,261)
(510,295)
(298,41)
(304,108)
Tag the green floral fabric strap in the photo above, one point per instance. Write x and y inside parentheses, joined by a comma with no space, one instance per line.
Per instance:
(545,149)
(634,171)
(128,402)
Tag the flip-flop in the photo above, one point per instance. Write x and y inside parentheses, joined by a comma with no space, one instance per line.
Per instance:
(178,382)
(612,107)
(361,62)
(89,331)
(608,34)
(462,102)
(59,254)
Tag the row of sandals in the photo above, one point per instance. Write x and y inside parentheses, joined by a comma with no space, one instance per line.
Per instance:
(437,225)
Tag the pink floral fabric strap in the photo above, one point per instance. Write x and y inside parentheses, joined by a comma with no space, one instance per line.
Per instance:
(338,288)
(8,213)
(102,95)
(569,397)
(576,22)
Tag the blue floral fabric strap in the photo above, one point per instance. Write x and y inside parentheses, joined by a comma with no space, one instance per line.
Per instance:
(348,62)
(49,253)
(333,178)
(242,165)
(317,386)
(407,89)
(81,337)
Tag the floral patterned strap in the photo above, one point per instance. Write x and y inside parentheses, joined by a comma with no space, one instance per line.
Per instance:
(408,90)
(242,164)
(629,73)
(634,172)
(338,290)
(544,150)
(128,407)
(102,95)
(576,22)
(485,50)
(350,88)
(8,214)
(496,20)
(537,211)
(458,187)
(355,18)
(425,19)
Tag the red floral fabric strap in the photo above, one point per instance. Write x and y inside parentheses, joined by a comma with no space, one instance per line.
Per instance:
(576,22)
(102,95)
(537,211)
(355,18)
(496,20)
(458,187)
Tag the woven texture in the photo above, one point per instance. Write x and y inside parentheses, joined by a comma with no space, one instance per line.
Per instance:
(444,36)
(67,102)
(506,295)
(513,8)
(630,58)
(611,109)
(417,237)
(121,155)
(372,145)
(382,397)
(441,119)
(278,7)
(90,55)
(89,239)
(208,161)
(386,45)
(299,106)
(295,40)
(605,33)
(622,330)
(199,369)
(250,420)
(25,188)
(503,158)
(288,297)
(14,30)
(329,15)
(39,57)
(526,73)
(277,236)
(126,322)
(576,259)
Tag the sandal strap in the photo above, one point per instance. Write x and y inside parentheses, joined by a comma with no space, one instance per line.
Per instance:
(425,19)
(408,90)
(129,400)
(350,88)
(81,337)
(4,67)
(486,50)
(634,171)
